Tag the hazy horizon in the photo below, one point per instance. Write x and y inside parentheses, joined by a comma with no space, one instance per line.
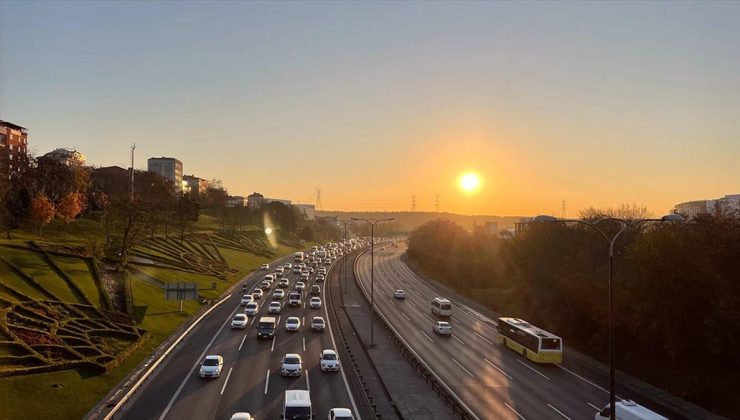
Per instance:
(595,103)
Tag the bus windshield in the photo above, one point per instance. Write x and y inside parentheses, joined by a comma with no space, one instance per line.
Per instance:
(550,344)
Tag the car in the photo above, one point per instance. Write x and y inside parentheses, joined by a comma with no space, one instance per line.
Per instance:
(284,283)
(278,294)
(340,414)
(279,270)
(329,361)
(442,328)
(265,285)
(315,289)
(241,416)
(246,299)
(382,248)
(327,262)
(296,270)
(311,270)
(252,309)
(304,276)
(294,298)
(239,321)
(270,277)
(318,324)
(322,270)
(288,266)
(300,286)
(320,277)
(257,294)
(211,366)
(292,365)
(274,308)
(293,323)
(315,303)
(265,267)
(399,294)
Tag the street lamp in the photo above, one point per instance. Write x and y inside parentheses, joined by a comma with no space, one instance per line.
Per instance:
(626,223)
(372,223)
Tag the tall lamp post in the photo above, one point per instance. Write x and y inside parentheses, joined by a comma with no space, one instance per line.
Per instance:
(626,223)
(372,223)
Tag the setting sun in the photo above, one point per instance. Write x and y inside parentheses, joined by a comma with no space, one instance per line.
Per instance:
(469,182)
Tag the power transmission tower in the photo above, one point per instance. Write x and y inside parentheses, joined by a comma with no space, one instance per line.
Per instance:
(563,207)
(131,185)
(318,199)
(413,203)
(436,203)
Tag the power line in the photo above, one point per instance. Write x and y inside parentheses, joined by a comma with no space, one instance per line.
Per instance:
(413,203)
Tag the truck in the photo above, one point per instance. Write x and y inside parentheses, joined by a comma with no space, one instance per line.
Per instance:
(297,405)
(266,327)
(298,256)
(629,410)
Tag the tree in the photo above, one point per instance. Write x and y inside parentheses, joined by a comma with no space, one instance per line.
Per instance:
(186,213)
(306,233)
(71,206)
(42,211)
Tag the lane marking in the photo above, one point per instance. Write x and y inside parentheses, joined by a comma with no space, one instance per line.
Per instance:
(253,318)
(454,319)
(304,345)
(558,411)
(267,380)
(223,388)
(462,367)
(411,302)
(498,369)
(404,315)
(425,335)
(303,321)
(581,378)
(308,384)
(458,340)
(595,407)
(483,338)
(197,362)
(430,318)
(273,344)
(242,343)
(515,412)
(533,369)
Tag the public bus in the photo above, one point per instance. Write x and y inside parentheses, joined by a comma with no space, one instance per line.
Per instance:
(531,342)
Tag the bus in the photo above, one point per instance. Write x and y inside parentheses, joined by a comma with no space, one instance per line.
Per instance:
(442,307)
(531,342)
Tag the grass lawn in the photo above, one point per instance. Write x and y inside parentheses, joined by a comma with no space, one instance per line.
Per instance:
(33,264)
(78,271)
(12,280)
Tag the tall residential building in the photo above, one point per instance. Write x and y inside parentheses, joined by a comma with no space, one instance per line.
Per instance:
(167,167)
(729,204)
(254,200)
(13,145)
(195,185)
(67,157)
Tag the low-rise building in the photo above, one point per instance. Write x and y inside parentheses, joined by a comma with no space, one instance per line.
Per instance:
(308,211)
(254,200)
(68,157)
(727,205)
(167,167)
(195,185)
(236,201)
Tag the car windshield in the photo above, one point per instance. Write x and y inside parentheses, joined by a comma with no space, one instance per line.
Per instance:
(329,356)
(292,360)
(210,362)
(292,321)
(298,413)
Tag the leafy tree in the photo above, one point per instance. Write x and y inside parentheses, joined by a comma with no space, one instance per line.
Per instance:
(186,213)
(71,206)
(42,211)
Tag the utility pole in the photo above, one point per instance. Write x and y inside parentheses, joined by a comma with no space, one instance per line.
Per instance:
(436,203)
(563,207)
(413,203)
(318,199)
(131,185)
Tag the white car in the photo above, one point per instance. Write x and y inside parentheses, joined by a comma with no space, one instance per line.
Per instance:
(315,303)
(265,285)
(300,286)
(399,294)
(246,299)
(239,321)
(292,365)
(340,414)
(296,270)
(278,294)
(265,267)
(274,308)
(257,294)
(211,366)
(252,309)
(288,266)
(443,328)
(293,323)
(320,277)
(318,324)
(329,361)
(284,283)
(241,416)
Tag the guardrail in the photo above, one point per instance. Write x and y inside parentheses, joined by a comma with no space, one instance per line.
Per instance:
(458,406)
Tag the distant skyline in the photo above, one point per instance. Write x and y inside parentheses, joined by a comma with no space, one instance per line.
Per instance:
(595,103)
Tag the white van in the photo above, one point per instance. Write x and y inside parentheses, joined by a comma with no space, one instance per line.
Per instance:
(297,405)
(442,307)
(298,256)
(629,410)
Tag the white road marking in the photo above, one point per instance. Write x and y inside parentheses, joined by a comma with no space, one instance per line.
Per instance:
(242,343)
(458,340)
(267,380)
(404,315)
(498,369)
(595,407)
(197,362)
(533,369)
(411,302)
(430,318)
(308,384)
(462,367)
(581,378)
(558,411)
(304,345)
(223,388)
(273,344)
(278,323)
(483,338)
(515,412)
(253,318)
(303,321)
(425,335)
(454,319)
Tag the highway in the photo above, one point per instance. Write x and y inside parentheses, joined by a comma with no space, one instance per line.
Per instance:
(492,380)
(250,380)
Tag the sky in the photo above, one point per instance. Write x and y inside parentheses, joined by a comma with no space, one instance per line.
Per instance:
(381,104)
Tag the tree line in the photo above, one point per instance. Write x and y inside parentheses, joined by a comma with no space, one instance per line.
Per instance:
(676,288)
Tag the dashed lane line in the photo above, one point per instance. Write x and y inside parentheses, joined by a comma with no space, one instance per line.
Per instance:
(425,335)
(242,343)
(558,411)
(462,367)
(267,380)
(515,412)
(228,375)
(498,369)
(273,344)
(483,338)
(458,340)
(533,369)
(404,315)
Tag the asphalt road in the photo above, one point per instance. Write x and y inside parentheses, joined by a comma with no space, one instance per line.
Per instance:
(492,380)
(250,380)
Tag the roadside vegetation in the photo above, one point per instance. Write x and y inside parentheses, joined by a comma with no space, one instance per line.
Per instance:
(677,309)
